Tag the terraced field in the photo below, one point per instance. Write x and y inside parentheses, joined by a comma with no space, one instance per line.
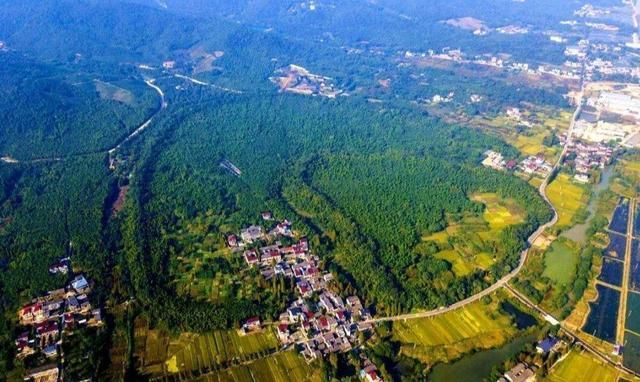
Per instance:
(445,337)
(567,197)
(581,366)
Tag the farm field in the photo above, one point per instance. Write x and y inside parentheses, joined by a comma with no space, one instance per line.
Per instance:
(611,272)
(567,197)
(617,246)
(620,217)
(464,244)
(192,352)
(532,144)
(499,213)
(282,367)
(442,338)
(560,261)
(581,366)
(602,320)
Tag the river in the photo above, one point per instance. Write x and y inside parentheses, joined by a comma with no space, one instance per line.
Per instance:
(478,366)
(578,232)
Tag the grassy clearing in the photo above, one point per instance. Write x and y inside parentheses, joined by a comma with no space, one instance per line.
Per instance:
(560,261)
(465,243)
(581,366)
(567,197)
(446,337)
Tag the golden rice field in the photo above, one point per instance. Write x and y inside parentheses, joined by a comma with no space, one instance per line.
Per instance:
(581,366)
(195,352)
(446,337)
(282,367)
(475,231)
(567,197)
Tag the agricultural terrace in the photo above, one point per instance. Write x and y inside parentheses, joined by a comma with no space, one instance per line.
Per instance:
(197,352)
(567,197)
(561,260)
(581,366)
(464,243)
(446,337)
(281,367)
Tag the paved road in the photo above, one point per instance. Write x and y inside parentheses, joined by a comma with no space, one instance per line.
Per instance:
(523,256)
(110,151)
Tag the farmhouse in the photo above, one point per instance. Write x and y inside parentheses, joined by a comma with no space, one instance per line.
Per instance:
(251,234)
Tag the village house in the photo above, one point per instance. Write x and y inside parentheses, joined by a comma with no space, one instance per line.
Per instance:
(251,234)
(252,324)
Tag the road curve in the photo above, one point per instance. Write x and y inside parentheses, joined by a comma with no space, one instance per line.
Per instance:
(523,256)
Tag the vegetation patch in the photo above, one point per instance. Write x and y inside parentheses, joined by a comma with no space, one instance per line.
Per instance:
(567,197)
(479,325)
(560,261)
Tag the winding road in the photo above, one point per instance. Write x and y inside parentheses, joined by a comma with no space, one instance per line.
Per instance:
(110,151)
(523,256)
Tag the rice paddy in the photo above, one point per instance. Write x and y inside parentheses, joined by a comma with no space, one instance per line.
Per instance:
(445,337)
(465,244)
(582,366)
(201,353)
(567,197)
(282,367)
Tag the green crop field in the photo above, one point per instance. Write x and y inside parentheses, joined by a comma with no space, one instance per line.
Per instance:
(580,366)
(445,337)
(560,261)
(567,197)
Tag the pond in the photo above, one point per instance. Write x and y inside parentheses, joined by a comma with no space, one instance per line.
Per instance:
(634,275)
(617,246)
(612,271)
(603,316)
(578,232)
(476,367)
(620,217)
(521,319)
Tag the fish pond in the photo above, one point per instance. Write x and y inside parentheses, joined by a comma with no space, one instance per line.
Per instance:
(620,217)
(477,366)
(617,246)
(603,314)
(631,358)
(634,274)
(611,272)
(633,312)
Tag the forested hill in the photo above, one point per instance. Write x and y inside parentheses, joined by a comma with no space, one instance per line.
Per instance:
(47,110)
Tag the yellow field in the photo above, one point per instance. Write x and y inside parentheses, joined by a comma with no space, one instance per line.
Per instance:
(472,233)
(460,266)
(580,366)
(162,355)
(442,338)
(282,367)
(567,197)
(499,213)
